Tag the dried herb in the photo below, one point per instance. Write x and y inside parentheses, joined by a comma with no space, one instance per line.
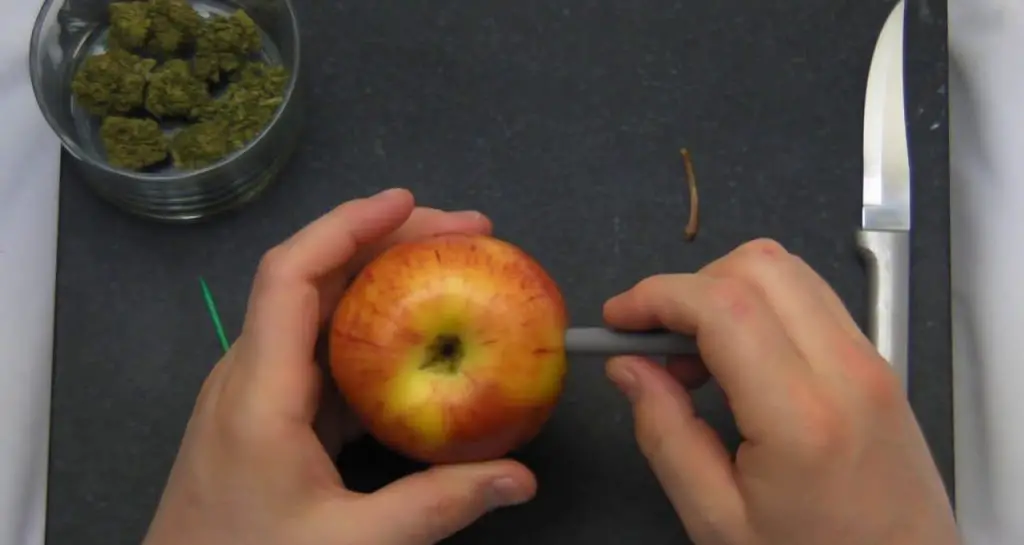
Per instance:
(196,52)
(235,118)
(114,82)
(693,224)
(201,144)
(259,77)
(224,44)
(132,143)
(174,91)
(157,27)
(248,103)
(129,25)
(176,24)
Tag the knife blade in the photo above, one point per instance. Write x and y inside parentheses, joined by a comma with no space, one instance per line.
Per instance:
(884,238)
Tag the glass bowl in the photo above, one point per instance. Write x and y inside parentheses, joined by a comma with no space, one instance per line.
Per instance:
(68,31)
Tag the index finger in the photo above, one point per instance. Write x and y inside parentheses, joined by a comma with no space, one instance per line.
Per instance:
(741,341)
(422,223)
(282,321)
(286,280)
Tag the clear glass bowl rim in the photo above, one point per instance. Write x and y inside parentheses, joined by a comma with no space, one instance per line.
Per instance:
(76,150)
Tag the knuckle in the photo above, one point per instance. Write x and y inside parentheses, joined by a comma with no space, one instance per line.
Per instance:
(652,440)
(653,286)
(879,385)
(871,378)
(443,508)
(763,248)
(273,264)
(655,294)
(731,295)
(449,508)
(824,432)
(749,260)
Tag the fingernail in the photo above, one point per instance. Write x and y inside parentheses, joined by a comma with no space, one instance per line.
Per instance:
(467,214)
(623,377)
(504,492)
(388,192)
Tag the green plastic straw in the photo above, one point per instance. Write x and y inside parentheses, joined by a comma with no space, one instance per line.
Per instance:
(211,307)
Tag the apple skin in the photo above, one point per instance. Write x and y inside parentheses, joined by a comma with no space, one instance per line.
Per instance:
(451,349)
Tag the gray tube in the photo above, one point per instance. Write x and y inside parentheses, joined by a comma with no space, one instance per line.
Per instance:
(598,340)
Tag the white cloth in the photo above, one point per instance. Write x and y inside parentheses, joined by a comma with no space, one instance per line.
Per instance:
(986,124)
(29,178)
(987,118)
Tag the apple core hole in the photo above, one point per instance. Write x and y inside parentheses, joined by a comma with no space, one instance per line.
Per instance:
(444,354)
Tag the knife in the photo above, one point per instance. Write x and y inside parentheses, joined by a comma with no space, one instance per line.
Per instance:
(884,238)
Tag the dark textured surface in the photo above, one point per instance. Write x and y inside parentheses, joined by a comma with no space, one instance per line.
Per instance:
(562,120)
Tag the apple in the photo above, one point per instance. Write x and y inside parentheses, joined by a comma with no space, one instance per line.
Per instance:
(451,349)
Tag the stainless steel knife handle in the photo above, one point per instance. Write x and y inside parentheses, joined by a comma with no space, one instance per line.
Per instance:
(887,257)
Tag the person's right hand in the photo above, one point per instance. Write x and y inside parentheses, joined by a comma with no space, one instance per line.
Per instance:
(832,453)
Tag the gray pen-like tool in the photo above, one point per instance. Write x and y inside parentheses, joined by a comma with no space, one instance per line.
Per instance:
(598,340)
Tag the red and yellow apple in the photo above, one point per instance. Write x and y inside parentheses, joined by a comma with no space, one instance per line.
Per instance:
(451,349)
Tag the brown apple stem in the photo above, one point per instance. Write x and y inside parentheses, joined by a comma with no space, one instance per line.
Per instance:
(693,225)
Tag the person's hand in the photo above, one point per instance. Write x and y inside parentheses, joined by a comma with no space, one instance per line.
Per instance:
(251,469)
(832,453)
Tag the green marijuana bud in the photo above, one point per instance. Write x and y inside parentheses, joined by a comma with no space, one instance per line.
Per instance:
(133,95)
(200,145)
(174,92)
(133,144)
(224,43)
(160,27)
(129,25)
(175,25)
(249,102)
(259,77)
(234,119)
(113,82)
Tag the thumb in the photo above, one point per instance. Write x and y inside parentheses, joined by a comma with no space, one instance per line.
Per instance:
(685,453)
(429,506)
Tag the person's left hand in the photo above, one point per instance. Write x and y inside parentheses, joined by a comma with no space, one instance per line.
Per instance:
(251,469)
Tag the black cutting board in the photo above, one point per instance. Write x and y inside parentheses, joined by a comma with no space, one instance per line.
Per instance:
(562,120)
